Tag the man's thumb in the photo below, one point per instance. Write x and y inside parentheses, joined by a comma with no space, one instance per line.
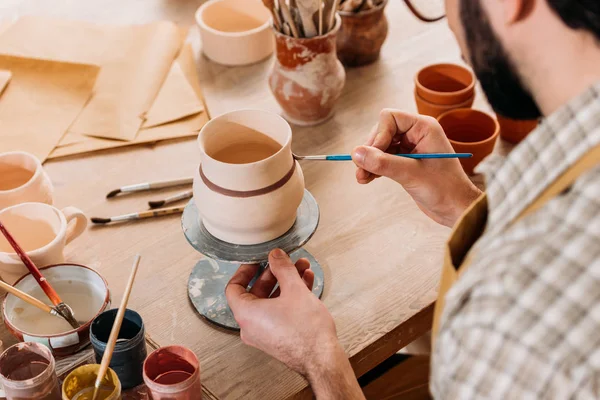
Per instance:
(283,268)
(377,162)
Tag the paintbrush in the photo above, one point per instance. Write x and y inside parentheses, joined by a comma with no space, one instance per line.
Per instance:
(61,308)
(114,332)
(139,187)
(172,199)
(140,215)
(29,299)
(348,157)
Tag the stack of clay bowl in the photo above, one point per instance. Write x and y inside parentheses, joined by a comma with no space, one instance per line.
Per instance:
(443,87)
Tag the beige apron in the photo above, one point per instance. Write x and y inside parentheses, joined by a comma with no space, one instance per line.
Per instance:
(472,224)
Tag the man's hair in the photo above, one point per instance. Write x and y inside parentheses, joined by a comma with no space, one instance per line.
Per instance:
(579,14)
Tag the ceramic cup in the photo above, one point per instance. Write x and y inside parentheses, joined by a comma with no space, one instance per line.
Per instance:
(361,36)
(81,287)
(173,373)
(42,231)
(22,179)
(435,110)
(79,384)
(514,131)
(445,84)
(235,32)
(470,131)
(251,202)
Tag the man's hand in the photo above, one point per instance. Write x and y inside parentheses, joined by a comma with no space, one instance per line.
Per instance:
(292,324)
(440,187)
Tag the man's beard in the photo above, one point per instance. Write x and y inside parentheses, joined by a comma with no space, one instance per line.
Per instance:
(498,77)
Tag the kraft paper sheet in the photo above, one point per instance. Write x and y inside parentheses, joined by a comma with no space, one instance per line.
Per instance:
(187,126)
(135,61)
(41,101)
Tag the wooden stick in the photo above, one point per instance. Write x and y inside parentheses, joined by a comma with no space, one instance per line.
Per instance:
(27,297)
(114,332)
(334,9)
(287,16)
(321,5)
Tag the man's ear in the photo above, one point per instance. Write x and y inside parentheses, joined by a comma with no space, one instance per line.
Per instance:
(517,10)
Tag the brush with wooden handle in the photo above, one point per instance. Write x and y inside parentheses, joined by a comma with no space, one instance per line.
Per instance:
(139,215)
(29,299)
(139,187)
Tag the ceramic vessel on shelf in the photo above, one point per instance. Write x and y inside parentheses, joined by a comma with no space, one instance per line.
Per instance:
(514,131)
(80,287)
(361,36)
(435,110)
(22,179)
(307,78)
(248,186)
(42,231)
(470,131)
(235,32)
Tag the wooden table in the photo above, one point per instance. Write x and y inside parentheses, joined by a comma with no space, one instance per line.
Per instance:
(380,254)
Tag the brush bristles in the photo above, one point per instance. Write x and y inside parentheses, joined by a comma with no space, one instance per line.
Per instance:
(113,193)
(97,220)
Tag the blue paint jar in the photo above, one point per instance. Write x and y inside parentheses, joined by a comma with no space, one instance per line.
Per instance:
(130,350)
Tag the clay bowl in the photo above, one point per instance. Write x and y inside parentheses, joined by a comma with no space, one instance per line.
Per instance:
(514,131)
(470,131)
(235,32)
(445,84)
(88,286)
(435,110)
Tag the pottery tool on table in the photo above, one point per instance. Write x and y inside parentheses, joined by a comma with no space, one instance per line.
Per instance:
(140,187)
(306,9)
(171,199)
(348,157)
(140,215)
(114,333)
(61,308)
(29,299)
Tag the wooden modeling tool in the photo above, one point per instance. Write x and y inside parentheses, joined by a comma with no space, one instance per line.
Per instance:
(332,14)
(29,299)
(321,5)
(140,187)
(172,199)
(61,308)
(348,157)
(306,9)
(114,332)
(270,4)
(287,17)
(140,215)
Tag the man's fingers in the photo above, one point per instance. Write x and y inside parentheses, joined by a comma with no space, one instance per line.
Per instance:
(302,266)
(283,268)
(236,288)
(264,285)
(379,163)
(308,278)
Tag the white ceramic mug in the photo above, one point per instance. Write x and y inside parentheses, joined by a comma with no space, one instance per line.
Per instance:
(42,231)
(22,179)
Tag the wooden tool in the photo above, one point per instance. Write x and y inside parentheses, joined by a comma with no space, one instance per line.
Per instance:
(270,4)
(332,14)
(114,332)
(321,5)
(308,8)
(29,299)
(61,308)
(348,157)
(287,16)
(140,187)
(140,215)
(171,199)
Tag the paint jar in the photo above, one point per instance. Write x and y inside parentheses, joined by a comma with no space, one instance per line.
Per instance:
(27,371)
(130,350)
(79,384)
(173,373)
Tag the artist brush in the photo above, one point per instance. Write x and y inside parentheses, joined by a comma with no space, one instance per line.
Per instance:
(140,187)
(348,157)
(172,199)
(139,215)
(26,297)
(62,309)
(114,332)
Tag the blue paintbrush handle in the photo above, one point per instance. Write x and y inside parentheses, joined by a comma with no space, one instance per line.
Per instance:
(348,157)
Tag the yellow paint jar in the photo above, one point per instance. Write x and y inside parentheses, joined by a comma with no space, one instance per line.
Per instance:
(79,384)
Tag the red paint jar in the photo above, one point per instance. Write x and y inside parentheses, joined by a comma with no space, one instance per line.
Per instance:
(173,373)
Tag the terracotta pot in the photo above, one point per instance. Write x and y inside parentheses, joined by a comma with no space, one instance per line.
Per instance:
(445,84)
(307,78)
(470,131)
(235,32)
(514,131)
(252,202)
(361,36)
(60,277)
(435,110)
(22,179)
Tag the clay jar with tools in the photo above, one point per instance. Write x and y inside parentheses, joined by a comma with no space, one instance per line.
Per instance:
(22,179)
(42,230)
(27,371)
(307,78)
(130,350)
(82,288)
(443,87)
(248,186)
(514,131)
(361,36)
(173,373)
(79,384)
(470,131)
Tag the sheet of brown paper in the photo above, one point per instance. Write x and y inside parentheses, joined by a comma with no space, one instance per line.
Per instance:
(135,61)
(4,79)
(188,126)
(42,99)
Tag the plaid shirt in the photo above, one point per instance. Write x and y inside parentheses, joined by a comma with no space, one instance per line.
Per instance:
(523,322)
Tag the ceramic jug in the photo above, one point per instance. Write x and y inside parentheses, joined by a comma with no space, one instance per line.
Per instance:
(245,202)
(22,179)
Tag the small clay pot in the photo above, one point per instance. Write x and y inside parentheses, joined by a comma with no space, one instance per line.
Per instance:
(470,131)
(361,36)
(307,78)
(514,131)
(445,84)
(435,110)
